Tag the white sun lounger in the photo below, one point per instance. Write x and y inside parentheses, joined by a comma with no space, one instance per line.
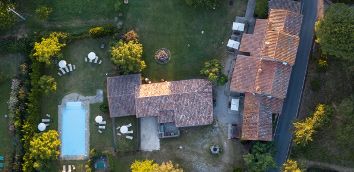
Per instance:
(129,137)
(69,168)
(100,62)
(70,67)
(118,128)
(119,134)
(85,59)
(129,125)
(73,167)
(74,67)
(99,131)
(129,132)
(47,115)
(45,120)
(103,122)
(64,168)
(66,69)
(62,71)
(96,59)
(102,127)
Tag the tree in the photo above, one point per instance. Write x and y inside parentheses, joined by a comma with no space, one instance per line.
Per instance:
(47,85)
(261,158)
(168,167)
(261,9)
(204,3)
(322,115)
(42,13)
(49,47)
(291,166)
(44,148)
(143,166)
(127,56)
(213,69)
(334,31)
(131,36)
(303,131)
(7,18)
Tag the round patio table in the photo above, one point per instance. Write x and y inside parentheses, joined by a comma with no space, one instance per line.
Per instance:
(91,55)
(124,129)
(41,126)
(62,63)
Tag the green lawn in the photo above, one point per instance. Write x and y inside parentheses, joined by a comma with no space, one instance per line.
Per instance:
(11,64)
(174,25)
(121,142)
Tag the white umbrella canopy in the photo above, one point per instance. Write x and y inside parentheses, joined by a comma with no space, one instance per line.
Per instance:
(98,119)
(41,126)
(91,55)
(62,63)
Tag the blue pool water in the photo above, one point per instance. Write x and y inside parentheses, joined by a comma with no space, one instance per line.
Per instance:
(73,126)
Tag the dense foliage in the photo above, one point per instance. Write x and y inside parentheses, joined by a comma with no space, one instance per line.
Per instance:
(261,9)
(104,107)
(306,128)
(149,166)
(131,36)
(44,148)
(344,1)
(213,69)
(334,31)
(49,47)
(47,85)
(345,127)
(127,57)
(7,19)
(42,13)
(99,32)
(315,84)
(210,4)
(261,158)
(291,166)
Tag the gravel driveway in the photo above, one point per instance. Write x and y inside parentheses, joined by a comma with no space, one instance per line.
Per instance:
(149,134)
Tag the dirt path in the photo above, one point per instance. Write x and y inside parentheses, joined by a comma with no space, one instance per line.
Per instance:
(325,165)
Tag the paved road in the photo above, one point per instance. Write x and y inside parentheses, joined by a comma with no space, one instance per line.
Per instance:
(291,103)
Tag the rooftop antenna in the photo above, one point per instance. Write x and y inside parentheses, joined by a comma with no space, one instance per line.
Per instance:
(12,9)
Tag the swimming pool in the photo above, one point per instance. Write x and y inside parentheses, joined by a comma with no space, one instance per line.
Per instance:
(73,129)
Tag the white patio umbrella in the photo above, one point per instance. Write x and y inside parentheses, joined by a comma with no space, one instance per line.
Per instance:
(91,55)
(41,126)
(98,119)
(62,63)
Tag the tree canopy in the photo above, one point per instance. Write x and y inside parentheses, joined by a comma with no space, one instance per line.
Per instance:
(127,56)
(261,158)
(7,18)
(131,36)
(213,69)
(44,148)
(335,31)
(291,166)
(49,47)
(261,9)
(47,85)
(148,166)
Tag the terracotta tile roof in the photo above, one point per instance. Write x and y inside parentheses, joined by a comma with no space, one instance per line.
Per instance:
(286,5)
(257,116)
(244,74)
(121,94)
(189,100)
(253,43)
(261,76)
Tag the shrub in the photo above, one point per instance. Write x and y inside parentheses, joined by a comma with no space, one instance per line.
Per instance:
(131,36)
(96,32)
(315,84)
(108,30)
(237,169)
(261,9)
(104,107)
(43,12)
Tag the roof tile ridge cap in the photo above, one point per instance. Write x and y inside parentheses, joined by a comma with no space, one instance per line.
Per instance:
(255,79)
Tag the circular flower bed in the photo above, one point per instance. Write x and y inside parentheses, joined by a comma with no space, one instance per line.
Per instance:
(162,55)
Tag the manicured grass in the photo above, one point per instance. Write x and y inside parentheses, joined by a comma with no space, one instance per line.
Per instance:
(123,143)
(101,141)
(174,25)
(6,140)
(10,65)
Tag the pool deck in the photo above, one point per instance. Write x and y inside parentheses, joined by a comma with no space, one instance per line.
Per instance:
(86,101)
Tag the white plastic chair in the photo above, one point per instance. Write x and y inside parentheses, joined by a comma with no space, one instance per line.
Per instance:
(102,127)
(100,62)
(129,137)
(47,115)
(62,71)
(45,120)
(119,134)
(129,132)
(103,122)
(99,131)
(59,73)
(129,125)
(96,59)
(74,67)
(118,128)
(70,67)
(85,59)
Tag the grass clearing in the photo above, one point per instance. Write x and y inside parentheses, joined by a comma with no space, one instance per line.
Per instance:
(123,143)
(11,65)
